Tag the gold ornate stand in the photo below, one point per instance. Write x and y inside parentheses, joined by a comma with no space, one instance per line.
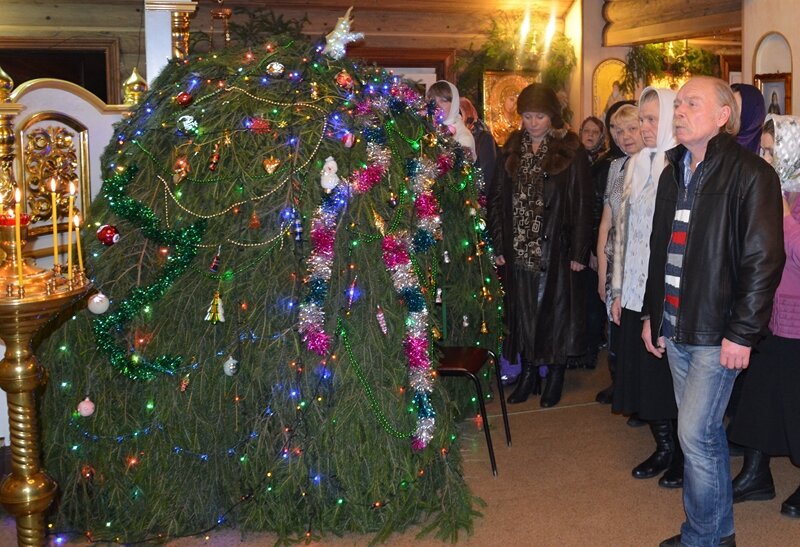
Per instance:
(28,490)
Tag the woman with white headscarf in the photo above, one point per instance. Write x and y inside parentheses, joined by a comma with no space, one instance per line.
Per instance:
(447,100)
(643,383)
(767,420)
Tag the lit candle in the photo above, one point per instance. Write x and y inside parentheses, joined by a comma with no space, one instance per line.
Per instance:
(77,221)
(18,233)
(69,229)
(55,221)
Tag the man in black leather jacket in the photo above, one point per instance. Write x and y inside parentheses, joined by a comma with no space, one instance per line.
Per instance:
(716,256)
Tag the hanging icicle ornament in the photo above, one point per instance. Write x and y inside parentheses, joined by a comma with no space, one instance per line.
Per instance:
(180,170)
(379,223)
(216,313)
(231,366)
(381,320)
(328,177)
(214,266)
(297,227)
(86,407)
(352,293)
(336,40)
(214,160)
(438,295)
(465,321)
(446,257)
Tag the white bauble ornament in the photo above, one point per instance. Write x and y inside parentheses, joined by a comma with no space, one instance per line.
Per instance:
(328,177)
(230,366)
(86,407)
(98,303)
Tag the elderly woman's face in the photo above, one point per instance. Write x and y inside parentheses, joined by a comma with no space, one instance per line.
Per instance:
(648,122)
(591,135)
(537,124)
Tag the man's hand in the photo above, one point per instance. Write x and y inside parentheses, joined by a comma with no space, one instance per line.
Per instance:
(576,266)
(658,350)
(733,355)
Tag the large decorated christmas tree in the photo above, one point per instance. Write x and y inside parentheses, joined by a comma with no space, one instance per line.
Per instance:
(283,240)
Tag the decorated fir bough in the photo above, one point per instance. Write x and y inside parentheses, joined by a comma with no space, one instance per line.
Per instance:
(283,238)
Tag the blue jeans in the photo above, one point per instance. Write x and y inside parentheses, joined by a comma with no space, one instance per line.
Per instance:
(702,390)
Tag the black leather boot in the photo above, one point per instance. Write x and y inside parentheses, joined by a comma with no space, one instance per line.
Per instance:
(528,382)
(554,386)
(665,448)
(754,481)
(791,507)
(673,476)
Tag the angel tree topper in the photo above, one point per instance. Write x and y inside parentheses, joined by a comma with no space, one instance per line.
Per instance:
(340,36)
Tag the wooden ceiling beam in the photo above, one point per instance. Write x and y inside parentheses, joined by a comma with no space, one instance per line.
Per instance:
(627,24)
(537,7)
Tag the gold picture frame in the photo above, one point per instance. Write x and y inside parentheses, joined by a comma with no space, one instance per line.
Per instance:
(777,91)
(500,92)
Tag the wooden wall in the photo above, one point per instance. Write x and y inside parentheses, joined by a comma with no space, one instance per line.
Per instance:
(73,21)
(413,26)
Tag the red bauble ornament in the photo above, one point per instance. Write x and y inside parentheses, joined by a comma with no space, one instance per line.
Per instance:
(184,99)
(348,139)
(344,80)
(107,234)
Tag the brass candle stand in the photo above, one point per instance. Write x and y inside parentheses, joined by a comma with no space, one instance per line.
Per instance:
(28,490)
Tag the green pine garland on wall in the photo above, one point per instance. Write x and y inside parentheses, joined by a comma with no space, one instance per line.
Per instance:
(654,61)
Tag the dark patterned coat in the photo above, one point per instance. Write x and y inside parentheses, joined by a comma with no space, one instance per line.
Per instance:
(560,321)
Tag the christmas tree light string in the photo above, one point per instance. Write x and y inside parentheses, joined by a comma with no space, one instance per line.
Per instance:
(386,499)
(404,218)
(185,242)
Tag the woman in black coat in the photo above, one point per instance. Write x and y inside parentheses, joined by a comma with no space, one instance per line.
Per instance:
(540,220)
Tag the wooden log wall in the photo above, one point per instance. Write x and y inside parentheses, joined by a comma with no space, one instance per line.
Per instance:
(631,22)
(422,24)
